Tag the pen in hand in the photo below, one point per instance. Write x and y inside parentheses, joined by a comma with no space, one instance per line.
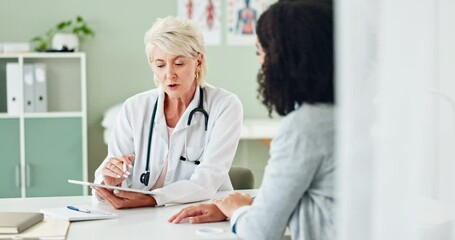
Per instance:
(78,209)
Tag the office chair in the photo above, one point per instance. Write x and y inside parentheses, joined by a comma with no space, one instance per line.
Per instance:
(241,177)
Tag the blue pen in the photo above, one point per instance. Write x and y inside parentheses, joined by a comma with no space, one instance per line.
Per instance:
(78,209)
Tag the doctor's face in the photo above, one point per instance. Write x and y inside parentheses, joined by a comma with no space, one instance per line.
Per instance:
(176,74)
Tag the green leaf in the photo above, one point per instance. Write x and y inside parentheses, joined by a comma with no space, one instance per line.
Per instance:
(37,39)
(79,19)
(61,25)
(86,30)
(42,46)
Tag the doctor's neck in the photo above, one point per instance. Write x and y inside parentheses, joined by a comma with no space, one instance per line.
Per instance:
(174,107)
(183,100)
(176,103)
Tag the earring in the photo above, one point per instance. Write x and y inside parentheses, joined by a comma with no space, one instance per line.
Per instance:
(197,75)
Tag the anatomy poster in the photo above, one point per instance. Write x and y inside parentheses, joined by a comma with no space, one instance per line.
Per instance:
(242,16)
(207,13)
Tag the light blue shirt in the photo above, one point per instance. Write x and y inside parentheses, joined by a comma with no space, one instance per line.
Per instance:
(297,188)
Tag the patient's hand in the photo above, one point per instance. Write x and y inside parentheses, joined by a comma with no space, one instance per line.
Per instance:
(113,172)
(201,213)
(231,203)
(122,199)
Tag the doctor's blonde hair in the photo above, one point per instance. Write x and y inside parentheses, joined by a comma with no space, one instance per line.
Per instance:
(176,36)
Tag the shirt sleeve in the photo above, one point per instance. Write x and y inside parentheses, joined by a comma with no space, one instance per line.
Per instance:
(292,165)
(237,214)
(217,159)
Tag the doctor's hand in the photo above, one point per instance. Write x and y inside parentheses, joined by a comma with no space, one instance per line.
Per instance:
(201,213)
(229,204)
(122,199)
(113,171)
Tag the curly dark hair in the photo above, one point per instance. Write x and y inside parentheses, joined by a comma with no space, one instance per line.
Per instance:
(297,38)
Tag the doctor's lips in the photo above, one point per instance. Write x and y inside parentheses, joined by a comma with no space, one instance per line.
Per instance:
(173,86)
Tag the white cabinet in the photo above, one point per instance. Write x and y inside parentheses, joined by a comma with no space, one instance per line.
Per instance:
(41,150)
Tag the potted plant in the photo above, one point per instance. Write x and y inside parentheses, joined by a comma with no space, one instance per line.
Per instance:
(65,36)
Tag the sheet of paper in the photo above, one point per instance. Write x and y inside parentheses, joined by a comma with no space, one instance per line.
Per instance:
(72,215)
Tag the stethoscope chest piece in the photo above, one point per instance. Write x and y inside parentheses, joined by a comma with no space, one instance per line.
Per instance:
(145,177)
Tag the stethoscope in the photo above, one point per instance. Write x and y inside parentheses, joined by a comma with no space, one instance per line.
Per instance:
(145,177)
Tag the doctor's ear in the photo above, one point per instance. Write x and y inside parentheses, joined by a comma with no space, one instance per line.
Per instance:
(199,60)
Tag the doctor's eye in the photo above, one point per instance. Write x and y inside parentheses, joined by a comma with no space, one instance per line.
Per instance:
(179,64)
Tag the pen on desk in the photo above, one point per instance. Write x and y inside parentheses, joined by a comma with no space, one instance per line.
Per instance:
(78,209)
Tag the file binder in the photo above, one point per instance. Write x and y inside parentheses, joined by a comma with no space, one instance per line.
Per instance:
(12,88)
(40,88)
(29,89)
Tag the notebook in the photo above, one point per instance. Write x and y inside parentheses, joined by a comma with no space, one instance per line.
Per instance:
(73,216)
(16,222)
(49,228)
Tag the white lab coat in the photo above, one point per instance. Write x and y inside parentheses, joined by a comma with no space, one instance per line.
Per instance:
(185,181)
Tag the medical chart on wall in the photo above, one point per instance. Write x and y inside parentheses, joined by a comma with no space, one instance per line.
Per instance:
(207,13)
(242,16)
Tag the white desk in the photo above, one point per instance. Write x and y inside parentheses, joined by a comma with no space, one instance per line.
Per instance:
(138,223)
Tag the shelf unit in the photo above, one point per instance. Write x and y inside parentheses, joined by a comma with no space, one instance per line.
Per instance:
(42,150)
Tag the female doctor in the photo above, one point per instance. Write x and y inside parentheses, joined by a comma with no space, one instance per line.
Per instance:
(179,139)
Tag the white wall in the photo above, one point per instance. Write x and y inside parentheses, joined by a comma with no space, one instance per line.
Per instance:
(446,110)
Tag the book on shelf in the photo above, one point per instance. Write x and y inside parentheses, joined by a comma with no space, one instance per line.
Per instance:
(16,222)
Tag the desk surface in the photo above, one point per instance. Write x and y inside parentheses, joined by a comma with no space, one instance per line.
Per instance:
(138,223)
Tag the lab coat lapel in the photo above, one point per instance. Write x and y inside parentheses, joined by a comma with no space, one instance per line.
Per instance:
(160,120)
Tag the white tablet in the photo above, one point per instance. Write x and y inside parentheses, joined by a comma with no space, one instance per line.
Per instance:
(110,187)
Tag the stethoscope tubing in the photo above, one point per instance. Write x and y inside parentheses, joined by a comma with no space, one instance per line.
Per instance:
(145,176)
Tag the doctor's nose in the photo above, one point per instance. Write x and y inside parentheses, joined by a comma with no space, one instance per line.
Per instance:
(170,73)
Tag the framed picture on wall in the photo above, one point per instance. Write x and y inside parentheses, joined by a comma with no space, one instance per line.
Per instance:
(242,16)
(207,13)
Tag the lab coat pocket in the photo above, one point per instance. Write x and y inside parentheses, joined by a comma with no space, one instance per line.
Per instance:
(194,153)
